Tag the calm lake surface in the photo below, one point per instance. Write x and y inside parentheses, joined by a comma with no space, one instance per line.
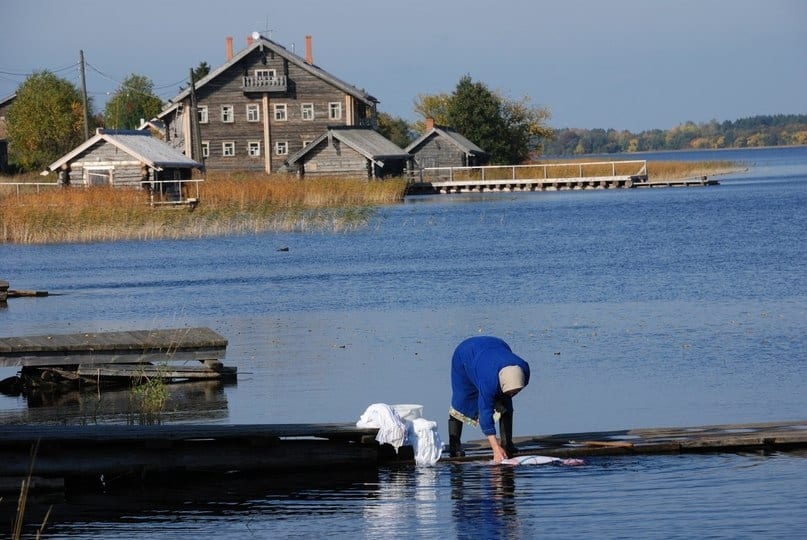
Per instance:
(635,308)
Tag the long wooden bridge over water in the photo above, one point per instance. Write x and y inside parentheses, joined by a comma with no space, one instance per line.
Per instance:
(543,177)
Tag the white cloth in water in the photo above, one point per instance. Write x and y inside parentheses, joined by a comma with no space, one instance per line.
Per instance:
(540,460)
(425,440)
(391,429)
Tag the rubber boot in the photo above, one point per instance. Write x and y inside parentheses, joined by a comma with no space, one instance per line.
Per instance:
(454,435)
(506,432)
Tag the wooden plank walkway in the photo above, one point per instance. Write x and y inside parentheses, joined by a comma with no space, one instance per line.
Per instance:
(89,348)
(713,438)
(542,177)
(110,450)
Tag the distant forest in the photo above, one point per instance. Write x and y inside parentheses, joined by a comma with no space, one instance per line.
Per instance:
(777,130)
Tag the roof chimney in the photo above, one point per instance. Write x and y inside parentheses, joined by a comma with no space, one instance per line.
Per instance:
(309,55)
(229,48)
(429,124)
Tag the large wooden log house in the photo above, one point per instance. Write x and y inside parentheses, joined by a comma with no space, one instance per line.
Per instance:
(261,107)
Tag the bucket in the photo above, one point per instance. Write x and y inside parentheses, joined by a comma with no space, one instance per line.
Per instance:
(408,411)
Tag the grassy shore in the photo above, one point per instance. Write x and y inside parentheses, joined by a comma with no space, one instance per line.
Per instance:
(229,204)
(241,203)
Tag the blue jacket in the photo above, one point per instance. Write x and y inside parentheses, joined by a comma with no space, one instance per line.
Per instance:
(475,370)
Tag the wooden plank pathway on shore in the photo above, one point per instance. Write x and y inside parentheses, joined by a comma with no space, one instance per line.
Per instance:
(714,438)
(89,348)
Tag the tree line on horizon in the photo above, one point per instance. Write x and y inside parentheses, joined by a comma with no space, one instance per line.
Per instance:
(754,131)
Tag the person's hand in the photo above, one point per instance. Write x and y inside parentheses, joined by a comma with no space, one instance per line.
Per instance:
(498,452)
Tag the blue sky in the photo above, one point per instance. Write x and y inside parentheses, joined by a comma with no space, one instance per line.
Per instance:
(623,64)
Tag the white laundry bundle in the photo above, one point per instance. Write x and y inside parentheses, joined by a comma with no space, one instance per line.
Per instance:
(422,435)
(391,428)
(419,433)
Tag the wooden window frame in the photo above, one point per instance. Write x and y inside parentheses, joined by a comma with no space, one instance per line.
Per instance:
(277,112)
(265,73)
(202,114)
(335,107)
(254,145)
(225,145)
(205,149)
(305,115)
(282,148)
(253,108)
(224,110)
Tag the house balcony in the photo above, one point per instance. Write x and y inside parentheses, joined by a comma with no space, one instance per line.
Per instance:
(264,84)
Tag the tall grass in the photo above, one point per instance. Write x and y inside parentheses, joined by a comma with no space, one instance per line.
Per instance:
(229,204)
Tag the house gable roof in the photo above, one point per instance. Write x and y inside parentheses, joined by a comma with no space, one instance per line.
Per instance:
(8,99)
(366,141)
(452,136)
(138,144)
(263,43)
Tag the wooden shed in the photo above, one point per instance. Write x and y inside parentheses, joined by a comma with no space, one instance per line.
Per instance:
(5,104)
(345,151)
(442,146)
(128,159)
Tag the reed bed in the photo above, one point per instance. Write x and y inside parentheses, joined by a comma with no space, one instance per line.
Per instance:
(229,204)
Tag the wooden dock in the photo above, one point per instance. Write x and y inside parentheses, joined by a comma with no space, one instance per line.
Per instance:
(131,452)
(96,357)
(543,177)
(90,348)
(768,436)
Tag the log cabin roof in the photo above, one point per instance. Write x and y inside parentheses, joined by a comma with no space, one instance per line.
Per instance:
(267,44)
(449,134)
(366,141)
(138,144)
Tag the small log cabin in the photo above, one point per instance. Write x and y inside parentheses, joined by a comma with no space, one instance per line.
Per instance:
(345,151)
(263,105)
(126,159)
(442,146)
(5,104)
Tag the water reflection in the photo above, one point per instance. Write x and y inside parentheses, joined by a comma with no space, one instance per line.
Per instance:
(187,401)
(483,498)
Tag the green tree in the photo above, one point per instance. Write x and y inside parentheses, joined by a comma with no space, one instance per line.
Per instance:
(395,129)
(45,121)
(509,130)
(134,100)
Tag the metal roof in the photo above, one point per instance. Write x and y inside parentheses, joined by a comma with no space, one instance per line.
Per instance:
(262,43)
(138,144)
(366,141)
(459,140)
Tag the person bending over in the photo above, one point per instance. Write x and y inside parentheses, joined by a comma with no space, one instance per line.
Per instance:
(485,375)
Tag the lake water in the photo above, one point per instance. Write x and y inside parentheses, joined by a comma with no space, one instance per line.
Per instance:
(635,308)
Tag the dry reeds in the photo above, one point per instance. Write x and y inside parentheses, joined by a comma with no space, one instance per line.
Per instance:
(230,204)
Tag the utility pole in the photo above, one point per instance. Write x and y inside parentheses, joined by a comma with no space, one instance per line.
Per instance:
(84,96)
(196,134)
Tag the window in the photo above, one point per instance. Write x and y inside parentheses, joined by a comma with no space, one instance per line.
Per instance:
(280,111)
(202,111)
(306,143)
(254,148)
(266,73)
(307,111)
(227,113)
(253,112)
(228,149)
(281,148)
(335,110)
(205,149)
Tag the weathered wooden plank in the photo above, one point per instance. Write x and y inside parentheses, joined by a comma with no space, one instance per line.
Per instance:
(728,437)
(27,434)
(150,370)
(112,347)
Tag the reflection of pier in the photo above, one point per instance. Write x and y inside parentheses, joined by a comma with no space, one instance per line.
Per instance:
(542,177)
